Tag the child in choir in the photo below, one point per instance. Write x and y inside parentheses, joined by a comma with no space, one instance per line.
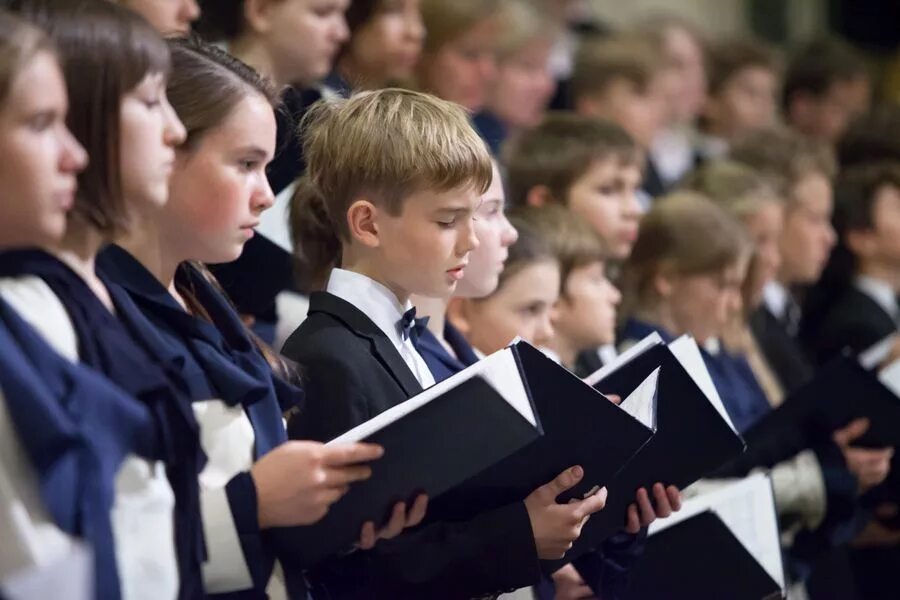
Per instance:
(855,304)
(520,306)
(398,177)
(801,171)
(743,84)
(826,85)
(624,79)
(524,85)
(217,190)
(169,17)
(871,137)
(591,167)
(58,292)
(386,40)
(459,60)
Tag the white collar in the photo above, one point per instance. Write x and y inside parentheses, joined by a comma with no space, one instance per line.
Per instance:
(880,292)
(776,298)
(372,298)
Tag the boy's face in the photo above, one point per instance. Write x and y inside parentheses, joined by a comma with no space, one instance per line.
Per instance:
(807,237)
(826,117)
(424,250)
(167,16)
(640,112)
(521,307)
(304,36)
(585,314)
(606,197)
(524,86)
(746,103)
(881,244)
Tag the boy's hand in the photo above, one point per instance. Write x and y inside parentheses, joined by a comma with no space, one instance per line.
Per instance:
(569,585)
(400,520)
(297,482)
(557,526)
(642,512)
(870,467)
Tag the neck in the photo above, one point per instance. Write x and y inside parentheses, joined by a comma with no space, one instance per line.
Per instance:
(885,273)
(250,49)
(436,311)
(158,255)
(79,249)
(661,316)
(363,266)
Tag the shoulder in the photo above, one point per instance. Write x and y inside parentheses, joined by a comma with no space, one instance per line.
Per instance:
(321,336)
(41,308)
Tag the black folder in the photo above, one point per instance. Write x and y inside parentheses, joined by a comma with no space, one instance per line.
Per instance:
(440,444)
(699,558)
(691,440)
(580,426)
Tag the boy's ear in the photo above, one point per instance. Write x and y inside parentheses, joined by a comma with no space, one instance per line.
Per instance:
(538,196)
(362,223)
(662,284)
(589,105)
(458,315)
(256,14)
(860,242)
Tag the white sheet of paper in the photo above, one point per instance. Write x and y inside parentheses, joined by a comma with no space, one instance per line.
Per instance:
(623,359)
(641,403)
(747,507)
(688,354)
(500,370)
(878,353)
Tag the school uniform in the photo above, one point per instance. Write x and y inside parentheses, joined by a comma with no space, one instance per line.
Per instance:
(492,130)
(159,550)
(357,352)
(775,325)
(238,403)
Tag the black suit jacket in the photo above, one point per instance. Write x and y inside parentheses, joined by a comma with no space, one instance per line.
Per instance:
(855,321)
(353,372)
(782,351)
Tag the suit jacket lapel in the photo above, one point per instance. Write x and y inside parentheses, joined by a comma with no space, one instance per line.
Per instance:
(359,323)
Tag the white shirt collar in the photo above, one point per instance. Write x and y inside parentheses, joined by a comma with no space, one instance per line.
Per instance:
(372,298)
(776,298)
(880,292)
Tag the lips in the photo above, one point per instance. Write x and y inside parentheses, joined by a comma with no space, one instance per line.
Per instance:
(456,273)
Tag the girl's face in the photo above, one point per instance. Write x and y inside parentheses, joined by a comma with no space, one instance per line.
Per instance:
(585,314)
(462,70)
(764,227)
(219,187)
(149,132)
(386,49)
(524,86)
(495,235)
(40,157)
(702,305)
(522,307)
(167,16)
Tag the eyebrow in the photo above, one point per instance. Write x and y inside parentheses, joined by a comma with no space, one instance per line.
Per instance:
(253,151)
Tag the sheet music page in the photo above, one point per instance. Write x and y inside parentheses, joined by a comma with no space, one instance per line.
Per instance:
(688,354)
(642,346)
(641,403)
(878,353)
(500,370)
(747,507)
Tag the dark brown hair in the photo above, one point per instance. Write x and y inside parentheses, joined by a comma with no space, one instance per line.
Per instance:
(105,50)
(530,248)
(601,62)
(562,149)
(818,65)
(729,57)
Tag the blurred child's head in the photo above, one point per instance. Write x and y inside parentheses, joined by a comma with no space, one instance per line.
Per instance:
(687,267)
(590,166)
(585,315)
(743,88)
(495,235)
(749,197)
(622,79)
(459,60)
(293,41)
(167,16)
(871,137)
(524,84)
(386,39)
(522,304)
(826,85)
(401,176)
(801,170)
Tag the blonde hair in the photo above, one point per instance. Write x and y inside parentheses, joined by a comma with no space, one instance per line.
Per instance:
(736,187)
(599,63)
(446,20)
(386,145)
(524,23)
(685,234)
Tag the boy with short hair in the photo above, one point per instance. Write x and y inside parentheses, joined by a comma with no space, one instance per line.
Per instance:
(623,79)
(589,166)
(397,176)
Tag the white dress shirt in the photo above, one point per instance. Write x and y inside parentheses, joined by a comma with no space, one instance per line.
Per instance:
(384,309)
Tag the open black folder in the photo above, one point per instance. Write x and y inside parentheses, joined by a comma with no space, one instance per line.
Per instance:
(693,432)
(432,442)
(723,544)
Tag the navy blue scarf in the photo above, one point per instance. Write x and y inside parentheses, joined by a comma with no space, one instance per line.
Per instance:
(121,348)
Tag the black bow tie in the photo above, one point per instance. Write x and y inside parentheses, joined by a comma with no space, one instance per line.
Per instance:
(410,327)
